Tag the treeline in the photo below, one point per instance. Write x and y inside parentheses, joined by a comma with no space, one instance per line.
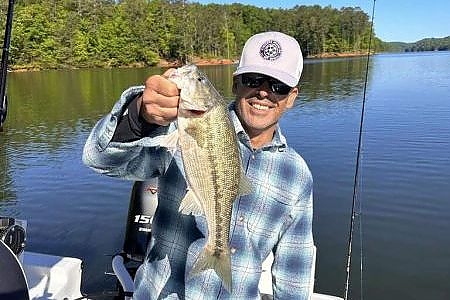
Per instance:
(106,33)
(428,44)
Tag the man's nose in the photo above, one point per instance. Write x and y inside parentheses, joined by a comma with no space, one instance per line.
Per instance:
(264,90)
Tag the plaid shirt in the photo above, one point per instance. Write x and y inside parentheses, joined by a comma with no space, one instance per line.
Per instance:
(276,217)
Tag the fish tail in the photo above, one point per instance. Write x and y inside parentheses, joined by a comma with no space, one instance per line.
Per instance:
(219,261)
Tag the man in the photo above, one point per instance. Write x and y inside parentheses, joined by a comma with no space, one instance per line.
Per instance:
(276,217)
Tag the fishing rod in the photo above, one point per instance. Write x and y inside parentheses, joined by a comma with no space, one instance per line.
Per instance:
(4,66)
(358,158)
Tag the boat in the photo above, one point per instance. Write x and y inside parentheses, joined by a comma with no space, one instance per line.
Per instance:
(36,276)
(39,276)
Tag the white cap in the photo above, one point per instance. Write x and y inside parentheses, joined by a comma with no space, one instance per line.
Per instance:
(274,54)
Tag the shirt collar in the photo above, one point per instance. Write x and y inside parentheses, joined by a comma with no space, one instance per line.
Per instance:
(278,142)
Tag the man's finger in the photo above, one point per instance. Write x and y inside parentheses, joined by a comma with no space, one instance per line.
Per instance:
(161,85)
(168,72)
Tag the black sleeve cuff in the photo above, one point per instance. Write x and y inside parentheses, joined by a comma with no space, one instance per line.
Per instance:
(132,127)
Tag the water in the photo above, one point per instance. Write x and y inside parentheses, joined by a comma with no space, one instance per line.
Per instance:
(403,188)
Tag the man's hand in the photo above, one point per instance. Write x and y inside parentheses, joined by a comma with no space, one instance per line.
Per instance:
(159,102)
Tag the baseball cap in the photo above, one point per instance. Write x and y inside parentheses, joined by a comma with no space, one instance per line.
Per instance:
(274,54)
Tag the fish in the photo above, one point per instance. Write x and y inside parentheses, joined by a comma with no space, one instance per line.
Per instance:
(212,164)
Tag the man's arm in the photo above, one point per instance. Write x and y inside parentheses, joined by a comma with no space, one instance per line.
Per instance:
(113,149)
(294,255)
(125,143)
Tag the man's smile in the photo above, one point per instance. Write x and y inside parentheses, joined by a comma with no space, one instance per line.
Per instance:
(260,105)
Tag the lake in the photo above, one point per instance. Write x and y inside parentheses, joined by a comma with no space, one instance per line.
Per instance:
(402,232)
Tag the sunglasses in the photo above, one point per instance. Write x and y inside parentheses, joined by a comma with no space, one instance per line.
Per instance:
(256,80)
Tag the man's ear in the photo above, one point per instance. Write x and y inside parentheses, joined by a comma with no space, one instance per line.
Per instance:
(291,98)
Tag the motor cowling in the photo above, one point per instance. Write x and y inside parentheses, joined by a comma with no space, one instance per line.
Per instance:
(142,207)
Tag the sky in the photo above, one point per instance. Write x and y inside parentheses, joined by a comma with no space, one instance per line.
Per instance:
(394,20)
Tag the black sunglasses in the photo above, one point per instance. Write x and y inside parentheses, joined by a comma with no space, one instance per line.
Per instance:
(254,81)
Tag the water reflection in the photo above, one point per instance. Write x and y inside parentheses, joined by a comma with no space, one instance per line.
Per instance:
(333,79)
(52,103)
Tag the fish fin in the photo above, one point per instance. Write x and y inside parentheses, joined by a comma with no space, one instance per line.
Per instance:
(190,205)
(170,141)
(220,263)
(245,186)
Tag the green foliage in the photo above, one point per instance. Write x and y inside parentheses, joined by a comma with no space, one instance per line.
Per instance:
(428,44)
(107,33)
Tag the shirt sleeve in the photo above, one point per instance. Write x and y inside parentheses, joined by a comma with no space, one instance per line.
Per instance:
(125,152)
(294,254)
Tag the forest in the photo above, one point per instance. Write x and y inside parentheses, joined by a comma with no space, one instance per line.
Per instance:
(53,34)
(427,44)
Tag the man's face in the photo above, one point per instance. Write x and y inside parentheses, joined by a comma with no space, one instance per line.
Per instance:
(261,101)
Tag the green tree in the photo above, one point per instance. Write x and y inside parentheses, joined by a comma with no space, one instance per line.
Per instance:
(108,33)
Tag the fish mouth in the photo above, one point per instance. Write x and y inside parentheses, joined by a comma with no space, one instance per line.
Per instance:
(193,110)
(196,112)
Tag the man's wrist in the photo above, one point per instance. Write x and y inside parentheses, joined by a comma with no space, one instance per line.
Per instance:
(131,127)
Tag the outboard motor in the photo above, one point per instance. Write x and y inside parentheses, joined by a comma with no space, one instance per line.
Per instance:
(143,204)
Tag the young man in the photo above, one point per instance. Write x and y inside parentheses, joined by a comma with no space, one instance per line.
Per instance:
(276,217)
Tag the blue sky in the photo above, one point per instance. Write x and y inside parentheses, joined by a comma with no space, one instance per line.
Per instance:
(395,20)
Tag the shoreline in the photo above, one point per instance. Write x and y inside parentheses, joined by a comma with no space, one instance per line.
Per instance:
(338,54)
(225,61)
(197,61)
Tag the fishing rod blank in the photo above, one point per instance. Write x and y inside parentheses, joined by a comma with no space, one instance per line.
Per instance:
(4,66)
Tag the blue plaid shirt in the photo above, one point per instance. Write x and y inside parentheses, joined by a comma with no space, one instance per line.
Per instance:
(276,217)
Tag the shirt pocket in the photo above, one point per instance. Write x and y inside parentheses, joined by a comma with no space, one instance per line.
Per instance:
(268,213)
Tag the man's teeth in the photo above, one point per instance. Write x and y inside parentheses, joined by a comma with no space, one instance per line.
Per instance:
(260,107)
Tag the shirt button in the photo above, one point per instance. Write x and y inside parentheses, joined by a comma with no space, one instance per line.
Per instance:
(233,250)
(253,156)
(241,218)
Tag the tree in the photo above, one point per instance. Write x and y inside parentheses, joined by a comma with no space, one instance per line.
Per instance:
(108,33)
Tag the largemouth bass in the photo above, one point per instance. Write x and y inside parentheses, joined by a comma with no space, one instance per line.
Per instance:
(212,164)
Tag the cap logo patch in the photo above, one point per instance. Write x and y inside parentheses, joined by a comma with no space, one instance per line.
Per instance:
(270,50)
